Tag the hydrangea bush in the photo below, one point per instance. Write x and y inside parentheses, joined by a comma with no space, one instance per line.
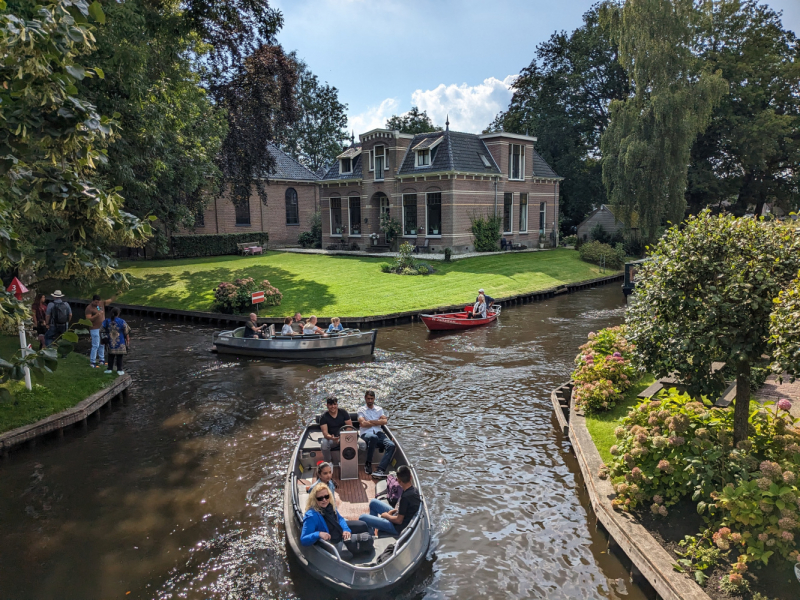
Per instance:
(235,297)
(603,372)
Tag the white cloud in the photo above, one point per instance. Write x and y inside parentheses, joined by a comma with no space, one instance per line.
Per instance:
(471,107)
(374,117)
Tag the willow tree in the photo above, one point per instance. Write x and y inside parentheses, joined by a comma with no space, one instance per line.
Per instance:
(646,147)
(706,294)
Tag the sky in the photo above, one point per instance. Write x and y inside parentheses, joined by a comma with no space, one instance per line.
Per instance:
(448,57)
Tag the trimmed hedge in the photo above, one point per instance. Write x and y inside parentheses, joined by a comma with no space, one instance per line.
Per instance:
(214,244)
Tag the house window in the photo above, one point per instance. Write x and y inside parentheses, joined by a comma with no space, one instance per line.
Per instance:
(523,213)
(292,209)
(542,217)
(336,216)
(355,215)
(242,211)
(434,214)
(508,211)
(200,218)
(384,206)
(380,162)
(516,161)
(409,214)
(346,166)
(424,157)
(485,161)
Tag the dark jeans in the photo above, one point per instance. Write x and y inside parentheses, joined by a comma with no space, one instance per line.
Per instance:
(374,439)
(112,358)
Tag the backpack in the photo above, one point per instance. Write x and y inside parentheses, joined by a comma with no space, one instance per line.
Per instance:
(360,543)
(61,316)
(393,489)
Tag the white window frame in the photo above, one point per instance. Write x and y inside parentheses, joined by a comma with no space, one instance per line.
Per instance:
(420,155)
(379,176)
(432,235)
(527,215)
(542,218)
(511,213)
(521,160)
(341,166)
(330,213)
(371,160)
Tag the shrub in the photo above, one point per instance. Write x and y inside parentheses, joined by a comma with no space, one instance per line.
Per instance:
(405,263)
(486,233)
(235,297)
(354,246)
(214,244)
(385,267)
(448,253)
(390,227)
(313,238)
(604,371)
(599,234)
(307,240)
(570,240)
(423,270)
(594,252)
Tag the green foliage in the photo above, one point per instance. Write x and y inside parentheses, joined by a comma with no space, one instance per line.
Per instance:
(700,555)
(785,331)
(214,244)
(414,121)
(750,153)
(390,227)
(422,270)
(646,147)
(570,240)
(603,371)
(562,97)
(486,232)
(313,238)
(236,297)
(448,254)
(318,135)
(385,267)
(705,295)
(595,252)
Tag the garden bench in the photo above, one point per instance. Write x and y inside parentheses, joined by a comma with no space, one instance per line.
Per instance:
(250,248)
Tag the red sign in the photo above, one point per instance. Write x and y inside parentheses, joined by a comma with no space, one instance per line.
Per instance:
(257,297)
(16,288)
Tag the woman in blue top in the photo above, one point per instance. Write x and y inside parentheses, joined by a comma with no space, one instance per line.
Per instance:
(119,340)
(322,521)
(336,325)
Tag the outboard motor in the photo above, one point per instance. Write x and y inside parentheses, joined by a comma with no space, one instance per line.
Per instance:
(348,454)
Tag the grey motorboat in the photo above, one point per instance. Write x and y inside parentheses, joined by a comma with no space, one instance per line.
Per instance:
(350,343)
(355,490)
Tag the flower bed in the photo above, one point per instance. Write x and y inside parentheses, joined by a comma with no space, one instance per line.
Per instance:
(236,297)
(604,371)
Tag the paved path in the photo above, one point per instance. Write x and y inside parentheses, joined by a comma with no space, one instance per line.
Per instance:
(422,257)
(773,391)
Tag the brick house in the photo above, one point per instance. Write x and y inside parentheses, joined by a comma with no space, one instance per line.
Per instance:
(292,197)
(432,183)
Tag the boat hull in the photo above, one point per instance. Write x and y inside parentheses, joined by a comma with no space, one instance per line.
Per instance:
(315,347)
(343,575)
(455,321)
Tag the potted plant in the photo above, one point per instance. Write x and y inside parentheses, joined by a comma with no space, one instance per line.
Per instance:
(435,232)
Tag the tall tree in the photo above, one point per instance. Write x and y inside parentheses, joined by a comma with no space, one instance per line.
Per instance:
(750,152)
(562,97)
(706,294)
(646,147)
(171,131)
(413,122)
(318,135)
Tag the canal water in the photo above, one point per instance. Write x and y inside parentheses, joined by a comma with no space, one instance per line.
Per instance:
(177,493)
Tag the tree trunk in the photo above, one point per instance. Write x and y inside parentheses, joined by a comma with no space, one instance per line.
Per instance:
(741,411)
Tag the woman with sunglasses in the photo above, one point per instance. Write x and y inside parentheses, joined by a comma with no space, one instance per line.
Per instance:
(323,522)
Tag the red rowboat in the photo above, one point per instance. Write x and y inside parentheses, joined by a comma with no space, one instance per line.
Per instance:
(458,320)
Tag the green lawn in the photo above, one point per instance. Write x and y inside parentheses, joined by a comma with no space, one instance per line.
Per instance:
(70,383)
(347,286)
(601,426)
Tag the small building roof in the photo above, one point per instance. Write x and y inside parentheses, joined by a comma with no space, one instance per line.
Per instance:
(454,151)
(287,167)
(333,170)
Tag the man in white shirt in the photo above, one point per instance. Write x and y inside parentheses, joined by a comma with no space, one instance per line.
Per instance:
(371,418)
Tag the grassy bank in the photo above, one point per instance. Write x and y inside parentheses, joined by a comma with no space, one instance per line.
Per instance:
(601,426)
(348,286)
(70,383)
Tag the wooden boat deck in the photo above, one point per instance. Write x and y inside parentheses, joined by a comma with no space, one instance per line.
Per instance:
(352,495)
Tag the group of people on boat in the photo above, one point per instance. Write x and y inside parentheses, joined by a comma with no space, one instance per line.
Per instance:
(292,326)
(321,520)
(481,306)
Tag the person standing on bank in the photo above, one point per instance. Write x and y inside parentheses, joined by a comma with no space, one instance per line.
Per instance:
(394,520)
(96,314)
(370,419)
(39,313)
(57,318)
(331,422)
(119,340)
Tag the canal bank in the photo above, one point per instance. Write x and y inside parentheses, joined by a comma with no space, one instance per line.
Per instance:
(178,492)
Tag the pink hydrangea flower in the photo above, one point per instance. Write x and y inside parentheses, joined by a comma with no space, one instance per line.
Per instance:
(658,499)
(662,510)
(784,404)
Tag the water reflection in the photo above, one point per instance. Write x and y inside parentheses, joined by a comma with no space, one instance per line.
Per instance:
(178,493)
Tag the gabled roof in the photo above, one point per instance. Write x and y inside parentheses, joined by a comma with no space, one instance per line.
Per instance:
(351,152)
(601,208)
(452,151)
(541,168)
(287,167)
(333,171)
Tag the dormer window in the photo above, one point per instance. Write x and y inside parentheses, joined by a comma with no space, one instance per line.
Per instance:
(347,160)
(424,151)
(485,161)
(346,165)
(516,161)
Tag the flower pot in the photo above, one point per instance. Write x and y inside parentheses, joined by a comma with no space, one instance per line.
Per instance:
(435,232)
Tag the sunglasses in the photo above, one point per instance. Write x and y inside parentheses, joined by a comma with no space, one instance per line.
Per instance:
(325,497)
